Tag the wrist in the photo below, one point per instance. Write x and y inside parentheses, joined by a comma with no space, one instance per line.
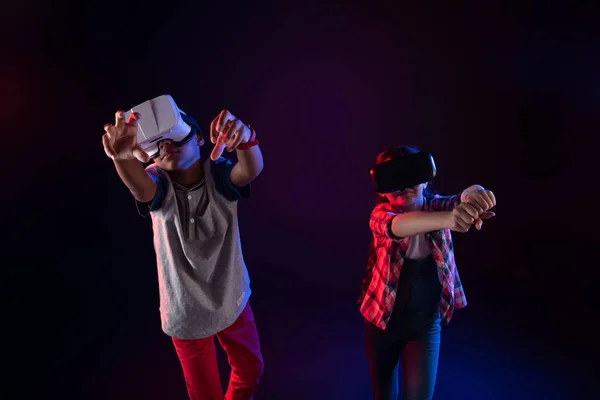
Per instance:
(251,142)
(125,161)
(446,217)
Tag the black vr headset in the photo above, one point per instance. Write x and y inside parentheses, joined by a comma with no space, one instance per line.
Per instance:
(403,173)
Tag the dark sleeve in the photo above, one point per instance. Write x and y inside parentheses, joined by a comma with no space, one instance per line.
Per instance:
(221,174)
(144,209)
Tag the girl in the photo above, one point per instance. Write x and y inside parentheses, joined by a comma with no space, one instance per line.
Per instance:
(412,285)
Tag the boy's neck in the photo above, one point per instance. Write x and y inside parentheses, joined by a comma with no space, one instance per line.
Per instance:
(417,206)
(190,176)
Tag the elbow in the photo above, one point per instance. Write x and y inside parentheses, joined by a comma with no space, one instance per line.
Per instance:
(258,169)
(396,230)
(253,170)
(143,197)
(250,163)
(257,164)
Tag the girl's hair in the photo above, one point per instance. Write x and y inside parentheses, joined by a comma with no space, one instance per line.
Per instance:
(396,152)
(392,154)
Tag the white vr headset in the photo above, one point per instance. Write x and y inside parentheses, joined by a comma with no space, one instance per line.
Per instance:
(161,119)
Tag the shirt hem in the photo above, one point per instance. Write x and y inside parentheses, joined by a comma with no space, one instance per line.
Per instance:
(213,331)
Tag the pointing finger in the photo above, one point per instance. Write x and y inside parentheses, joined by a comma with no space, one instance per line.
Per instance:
(218,149)
(213,132)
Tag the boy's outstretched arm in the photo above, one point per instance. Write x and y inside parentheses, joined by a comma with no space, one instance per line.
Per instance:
(120,144)
(248,167)
(137,180)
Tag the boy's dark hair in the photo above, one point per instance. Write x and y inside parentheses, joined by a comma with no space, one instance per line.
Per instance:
(191,121)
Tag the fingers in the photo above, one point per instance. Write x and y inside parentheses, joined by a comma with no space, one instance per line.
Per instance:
(473,203)
(487,199)
(487,215)
(110,129)
(480,210)
(224,117)
(221,139)
(491,197)
(133,119)
(213,132)
(462,219)
(478,224)
(239,130)
(478,199)
(470,209)
(218,124)
(140,154)
(108,147)
(226,131)
(484,199)
(461,226)
(217,150)
(119,119)
(232,128)
(464,216)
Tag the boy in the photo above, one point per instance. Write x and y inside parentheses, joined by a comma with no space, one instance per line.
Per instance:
(203,281)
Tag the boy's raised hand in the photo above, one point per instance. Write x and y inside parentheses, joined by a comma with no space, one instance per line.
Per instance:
(226,131)
(120,140)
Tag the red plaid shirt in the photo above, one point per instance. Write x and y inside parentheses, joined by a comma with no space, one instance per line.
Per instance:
(387,256)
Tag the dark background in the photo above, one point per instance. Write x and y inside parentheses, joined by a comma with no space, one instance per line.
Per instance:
(503,95)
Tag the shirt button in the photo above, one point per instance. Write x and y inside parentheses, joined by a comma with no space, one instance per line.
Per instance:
(189,196)
(192,220)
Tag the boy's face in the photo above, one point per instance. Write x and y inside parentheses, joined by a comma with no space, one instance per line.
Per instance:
(409,199)
(171,157)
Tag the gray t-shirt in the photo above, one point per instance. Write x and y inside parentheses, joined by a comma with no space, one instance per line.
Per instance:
(202,278)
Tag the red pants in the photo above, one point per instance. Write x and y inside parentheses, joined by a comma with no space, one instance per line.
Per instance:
(199,361)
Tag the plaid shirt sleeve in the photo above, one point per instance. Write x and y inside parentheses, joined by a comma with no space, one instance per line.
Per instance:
(384,267)
(381,221)
(444,203)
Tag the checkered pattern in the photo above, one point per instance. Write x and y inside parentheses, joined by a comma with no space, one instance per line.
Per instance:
(387,256)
